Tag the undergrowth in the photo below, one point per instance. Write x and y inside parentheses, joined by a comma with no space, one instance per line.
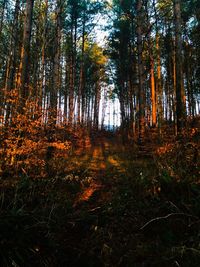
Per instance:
(135,211)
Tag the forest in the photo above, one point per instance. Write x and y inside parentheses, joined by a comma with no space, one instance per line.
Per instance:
(100,133)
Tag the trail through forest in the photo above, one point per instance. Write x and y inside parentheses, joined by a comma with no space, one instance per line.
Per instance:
(125,215)
(107,205)
(115,175)
(104,162)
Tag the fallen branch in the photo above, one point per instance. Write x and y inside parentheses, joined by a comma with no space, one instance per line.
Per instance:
(177,214)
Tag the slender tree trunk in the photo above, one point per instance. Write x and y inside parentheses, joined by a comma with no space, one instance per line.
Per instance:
(11,67)
(56,67)
(180,94)
(66,89)
(153,95)
(72,67)
(174,89)
(42,83)
(13,51)
(2,11)
(159,85)
(153,88)
(140,73)
(23,79)
(71,91)
(96,104)
(82,74)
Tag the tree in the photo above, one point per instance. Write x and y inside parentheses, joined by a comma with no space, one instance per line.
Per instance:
(180,95)
(56,65)
(140,72)
(23,72)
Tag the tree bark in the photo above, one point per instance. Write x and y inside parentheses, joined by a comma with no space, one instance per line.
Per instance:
(11,67)
(180,94)
(2,15)
(56,67)
(22,80)
(140,73)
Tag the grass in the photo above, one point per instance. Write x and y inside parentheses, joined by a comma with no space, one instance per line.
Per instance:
(109,207)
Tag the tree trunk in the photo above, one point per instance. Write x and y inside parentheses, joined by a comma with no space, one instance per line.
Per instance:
(11,68)
(140,73)
(159,85)
(96,104)
(56,67)
(82,74)
(2,15)
(180,94)
(72,67)
(22,80)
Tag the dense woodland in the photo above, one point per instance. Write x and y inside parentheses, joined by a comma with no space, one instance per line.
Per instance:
(73,190)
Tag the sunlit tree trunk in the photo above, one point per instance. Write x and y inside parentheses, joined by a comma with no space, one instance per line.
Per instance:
(152,84)
(153,94)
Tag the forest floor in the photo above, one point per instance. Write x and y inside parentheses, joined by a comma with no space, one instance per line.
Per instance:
(110,206)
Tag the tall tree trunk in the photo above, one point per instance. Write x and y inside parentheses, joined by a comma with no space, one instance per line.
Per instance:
(72,67)
(71,90)
(2,11)
(82,74)
(180,94)
(2,103)
(11,67)
(22,80)
(153,94)
(66,88)
(159,85)
(56,66)
(140,73)
(96,104)
(42,83)
(13,50)
(174,88)
(152,84)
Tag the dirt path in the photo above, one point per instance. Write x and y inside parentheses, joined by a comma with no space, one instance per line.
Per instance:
(95,162)
(108,211)
(106,163)
(102,155)
(122,212)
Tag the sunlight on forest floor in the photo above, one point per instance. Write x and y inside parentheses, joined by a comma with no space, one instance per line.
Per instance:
(98,158)
(106,162)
